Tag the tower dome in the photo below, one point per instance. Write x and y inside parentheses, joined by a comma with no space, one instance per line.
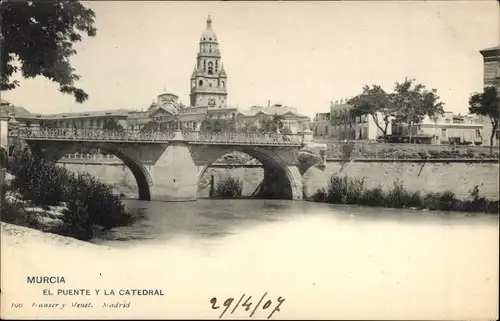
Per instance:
(208,35)
(209,80)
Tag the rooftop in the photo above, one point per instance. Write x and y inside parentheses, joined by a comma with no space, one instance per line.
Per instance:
(97,113)
(276,109)
(20,112)
(491,48)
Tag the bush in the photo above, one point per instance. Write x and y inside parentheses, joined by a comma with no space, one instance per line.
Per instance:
(397,197)
(12,211)
(345,191)
(90,202)
(105,208)
(319,196)
(38,181)
(337,188)
(229,187)
(342,190)
(373,197)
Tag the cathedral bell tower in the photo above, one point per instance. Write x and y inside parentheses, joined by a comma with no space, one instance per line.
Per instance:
(209,79)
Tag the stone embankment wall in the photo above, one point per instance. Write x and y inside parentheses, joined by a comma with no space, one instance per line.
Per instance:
(458,177)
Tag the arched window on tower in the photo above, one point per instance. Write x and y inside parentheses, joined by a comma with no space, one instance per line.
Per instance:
(204,65)
(216,66)
(210,48)
(223,84)
(210,68)
(200,83)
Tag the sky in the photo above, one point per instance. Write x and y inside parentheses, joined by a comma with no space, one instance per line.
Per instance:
(300,54)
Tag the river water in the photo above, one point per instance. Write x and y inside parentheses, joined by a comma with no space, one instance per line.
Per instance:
(213,219)
(392,263)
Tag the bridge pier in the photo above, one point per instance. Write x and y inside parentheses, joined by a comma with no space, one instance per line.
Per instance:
(175,175)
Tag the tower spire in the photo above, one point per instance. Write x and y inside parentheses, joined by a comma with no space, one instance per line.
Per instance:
(209,22)
(193,75)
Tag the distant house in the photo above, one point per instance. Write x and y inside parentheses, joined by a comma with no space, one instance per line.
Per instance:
(345,125)
(290,117)
(321,126)
(450,128)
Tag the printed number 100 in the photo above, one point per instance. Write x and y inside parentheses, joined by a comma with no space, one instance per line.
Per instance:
(16,305)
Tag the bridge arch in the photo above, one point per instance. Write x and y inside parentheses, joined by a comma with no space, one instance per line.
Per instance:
(55,152)
(272,163)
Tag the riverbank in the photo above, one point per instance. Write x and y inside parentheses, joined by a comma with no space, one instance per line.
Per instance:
(41,195)
(16,236)
(346,190)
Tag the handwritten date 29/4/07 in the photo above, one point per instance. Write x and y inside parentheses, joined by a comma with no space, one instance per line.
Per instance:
(249,304)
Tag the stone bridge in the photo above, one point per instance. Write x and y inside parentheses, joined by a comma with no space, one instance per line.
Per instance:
(168,165)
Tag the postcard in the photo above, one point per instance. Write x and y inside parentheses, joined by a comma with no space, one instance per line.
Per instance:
(249,160)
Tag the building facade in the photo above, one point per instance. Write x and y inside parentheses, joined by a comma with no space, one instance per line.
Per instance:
(346,126)
(450,128)
(491,66)
(320,125)
(491,77)
(289,117)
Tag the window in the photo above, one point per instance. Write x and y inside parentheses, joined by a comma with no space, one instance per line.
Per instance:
(204,65)
(216,65)
(210,68)
(443,132)
(200,83)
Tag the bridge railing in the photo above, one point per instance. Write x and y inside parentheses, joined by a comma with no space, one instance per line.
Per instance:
(241,138)
(97,134)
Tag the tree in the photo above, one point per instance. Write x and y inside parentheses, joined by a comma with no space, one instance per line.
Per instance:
(271,125)
(41,35)
(248,127)
(376,102)
(412,102)
(218,125)
(486,104)
(112,124)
